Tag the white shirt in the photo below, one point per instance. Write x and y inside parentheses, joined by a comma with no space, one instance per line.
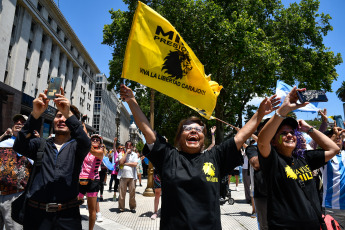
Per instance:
(127,171)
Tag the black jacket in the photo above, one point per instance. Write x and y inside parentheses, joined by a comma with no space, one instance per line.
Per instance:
(58,178)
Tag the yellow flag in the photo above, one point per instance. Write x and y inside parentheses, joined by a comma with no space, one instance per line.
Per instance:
(158,57)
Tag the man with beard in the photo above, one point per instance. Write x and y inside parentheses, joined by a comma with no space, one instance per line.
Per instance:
(11,184)
(53,194)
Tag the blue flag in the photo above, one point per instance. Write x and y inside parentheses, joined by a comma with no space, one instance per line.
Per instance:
(339,120)
(108,164)
(283,89)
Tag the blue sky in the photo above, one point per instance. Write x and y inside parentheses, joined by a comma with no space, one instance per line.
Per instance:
(87,19)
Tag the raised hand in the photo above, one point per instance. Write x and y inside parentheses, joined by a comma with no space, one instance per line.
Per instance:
(213,129)
(126,93)
(303,126)
(290,102)
(323,115)
(8,132)
(63,104)
(40,104)
(268,105)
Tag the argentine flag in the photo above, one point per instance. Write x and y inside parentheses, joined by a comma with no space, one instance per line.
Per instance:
(283,89)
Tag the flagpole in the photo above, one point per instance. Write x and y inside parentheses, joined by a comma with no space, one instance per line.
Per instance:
(149,188)
(225,123)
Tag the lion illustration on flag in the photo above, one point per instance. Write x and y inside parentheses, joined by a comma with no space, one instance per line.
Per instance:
(177,64)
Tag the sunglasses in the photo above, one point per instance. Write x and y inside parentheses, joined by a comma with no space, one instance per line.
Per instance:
(95,140)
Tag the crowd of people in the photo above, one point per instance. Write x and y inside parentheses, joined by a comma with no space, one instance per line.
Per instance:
(282,174)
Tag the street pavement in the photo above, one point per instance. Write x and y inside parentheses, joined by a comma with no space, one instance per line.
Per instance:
(233,217)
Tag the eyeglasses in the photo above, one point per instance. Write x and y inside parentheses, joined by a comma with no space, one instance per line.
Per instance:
(189,128)
(96,140)
(120,148)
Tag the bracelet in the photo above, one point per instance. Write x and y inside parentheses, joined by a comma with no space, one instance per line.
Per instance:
(212,133)
(279,115)
(310,130)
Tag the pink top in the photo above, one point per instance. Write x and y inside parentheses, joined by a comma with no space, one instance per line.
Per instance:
(116,161)
(90,167)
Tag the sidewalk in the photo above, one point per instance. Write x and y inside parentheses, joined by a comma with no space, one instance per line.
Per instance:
(233,217)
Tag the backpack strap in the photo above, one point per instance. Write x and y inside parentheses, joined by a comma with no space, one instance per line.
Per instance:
(37,163)
(318,213)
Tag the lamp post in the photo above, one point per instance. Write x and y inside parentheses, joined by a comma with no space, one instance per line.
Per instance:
(132,132)
(149,189)
(117,120)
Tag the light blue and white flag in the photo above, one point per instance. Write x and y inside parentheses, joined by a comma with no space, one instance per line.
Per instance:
(283,89)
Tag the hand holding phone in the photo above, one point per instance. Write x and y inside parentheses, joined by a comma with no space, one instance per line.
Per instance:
(54,87)
(312,96)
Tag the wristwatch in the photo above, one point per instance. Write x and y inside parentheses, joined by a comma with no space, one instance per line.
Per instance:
(311,130)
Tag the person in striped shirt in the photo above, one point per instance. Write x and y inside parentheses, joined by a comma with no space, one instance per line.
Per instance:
(334,179)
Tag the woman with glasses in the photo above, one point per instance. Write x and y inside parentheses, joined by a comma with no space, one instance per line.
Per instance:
(190,175)
(287,168)
(89,177)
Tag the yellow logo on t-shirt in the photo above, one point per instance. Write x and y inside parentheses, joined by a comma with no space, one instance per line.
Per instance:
(303,173)
(209,170)
(290,173)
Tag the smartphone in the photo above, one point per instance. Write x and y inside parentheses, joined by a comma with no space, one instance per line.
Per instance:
(312,96)
(54,87)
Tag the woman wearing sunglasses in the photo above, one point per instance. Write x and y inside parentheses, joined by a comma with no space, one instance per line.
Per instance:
(190,175)
(292,199)
(89,177)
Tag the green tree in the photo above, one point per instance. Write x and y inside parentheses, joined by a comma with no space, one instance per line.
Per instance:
(140,146)
(341,92)
(246,45)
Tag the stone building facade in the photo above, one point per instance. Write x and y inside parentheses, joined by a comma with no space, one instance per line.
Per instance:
(37,43)
(110,117)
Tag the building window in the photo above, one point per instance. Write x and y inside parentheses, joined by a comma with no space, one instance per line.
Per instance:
(88,106)
(65,40)
(5,78)
(36,91)
(27,61)
(39,72)
(49,20)
(9,51)
(39,7)
(23,86)
(44,39)
(41,55)
(58,30)
(32,27)
(29,45)
(13,33)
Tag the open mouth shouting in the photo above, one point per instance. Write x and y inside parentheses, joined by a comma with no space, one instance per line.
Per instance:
(193,139)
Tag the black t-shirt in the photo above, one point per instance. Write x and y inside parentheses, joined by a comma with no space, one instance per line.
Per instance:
(287,205)
(190,183)
(260,187)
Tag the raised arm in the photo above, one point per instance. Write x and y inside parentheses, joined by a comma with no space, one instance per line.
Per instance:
(323,127)
(267,106)
(268,131)
(326,143)
(138,115)
(213,130)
